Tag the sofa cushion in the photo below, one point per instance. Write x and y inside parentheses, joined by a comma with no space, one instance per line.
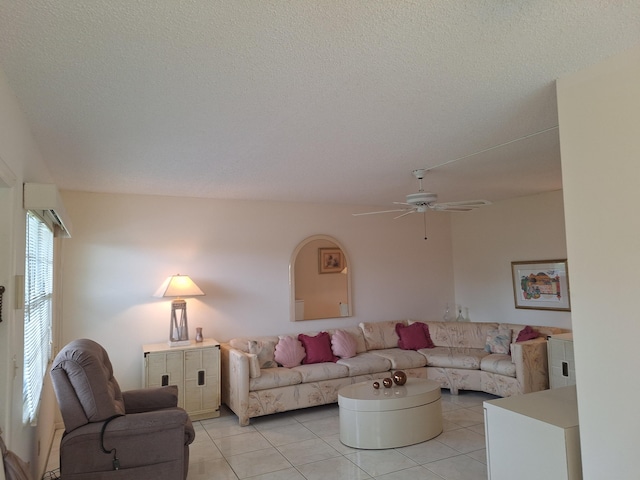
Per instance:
(254,365)
(273,378)
(365,364)
(498,340)
(414,336)
(459,334)
(343,344)
(379,335)
(242,343)
(265,350)
(321,371)
(289,352)
(401,359)
(467,358)
(498,363)
(317,348)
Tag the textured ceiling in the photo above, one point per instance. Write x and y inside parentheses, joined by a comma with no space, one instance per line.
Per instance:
(303,100)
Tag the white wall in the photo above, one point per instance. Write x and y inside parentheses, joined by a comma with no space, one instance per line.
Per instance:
(486,241)
(22,161)
(124,246)
(599,113)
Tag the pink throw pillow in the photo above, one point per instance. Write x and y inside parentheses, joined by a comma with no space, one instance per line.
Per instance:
(289,352)
(527,333)
(343,344)
(414,336)
(318,348)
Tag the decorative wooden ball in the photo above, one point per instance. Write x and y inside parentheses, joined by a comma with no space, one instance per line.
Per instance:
(376,385)
(400,377)
(387,382)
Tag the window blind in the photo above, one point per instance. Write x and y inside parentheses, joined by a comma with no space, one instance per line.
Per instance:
(38,299)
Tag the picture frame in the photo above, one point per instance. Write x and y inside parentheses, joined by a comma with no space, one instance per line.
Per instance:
(541,285)
(330,260)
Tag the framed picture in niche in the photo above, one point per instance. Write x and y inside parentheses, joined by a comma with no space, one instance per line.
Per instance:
(330,260)
(541,285)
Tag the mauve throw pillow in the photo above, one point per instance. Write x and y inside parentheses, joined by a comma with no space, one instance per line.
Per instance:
(343,344)
(318,348)
(414,336)
(527,333)
(289,352)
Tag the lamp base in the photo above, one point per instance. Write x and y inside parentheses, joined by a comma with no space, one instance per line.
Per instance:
(179,343)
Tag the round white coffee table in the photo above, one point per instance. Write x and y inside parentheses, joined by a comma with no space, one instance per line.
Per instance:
(389,417)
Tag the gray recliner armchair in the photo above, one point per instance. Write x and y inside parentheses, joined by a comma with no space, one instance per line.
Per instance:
(135,434)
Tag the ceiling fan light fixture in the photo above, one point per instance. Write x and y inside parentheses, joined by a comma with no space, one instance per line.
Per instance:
(421,198)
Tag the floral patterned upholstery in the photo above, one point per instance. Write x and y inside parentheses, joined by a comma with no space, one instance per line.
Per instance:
(366,363)
(499,363)
(402,359)
(274,378)
(380,335)
(458,362)
(454,357)
(460,334)
(321,371)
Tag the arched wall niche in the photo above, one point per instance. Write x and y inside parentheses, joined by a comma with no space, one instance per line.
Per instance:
(320,280)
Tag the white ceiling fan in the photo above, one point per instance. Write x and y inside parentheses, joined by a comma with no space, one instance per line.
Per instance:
(422,201)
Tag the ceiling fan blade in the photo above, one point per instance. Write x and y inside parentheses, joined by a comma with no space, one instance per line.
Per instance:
(468,203)
(405,214)
(402,203)
(381,211)
(462,206)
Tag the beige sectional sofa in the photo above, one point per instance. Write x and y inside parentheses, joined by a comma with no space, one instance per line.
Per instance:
(458,361)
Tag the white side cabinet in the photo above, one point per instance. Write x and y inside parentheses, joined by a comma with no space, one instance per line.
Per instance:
(534,436)
(195,369)
(562,368)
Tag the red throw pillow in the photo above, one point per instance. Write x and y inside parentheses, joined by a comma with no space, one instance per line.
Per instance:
(414,336)
(318,348)
(527,333)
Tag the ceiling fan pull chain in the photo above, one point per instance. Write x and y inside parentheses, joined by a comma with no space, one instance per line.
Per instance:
(424,221)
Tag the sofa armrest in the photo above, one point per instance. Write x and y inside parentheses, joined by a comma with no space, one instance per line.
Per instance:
(150,399)
(530,359)
(235,381)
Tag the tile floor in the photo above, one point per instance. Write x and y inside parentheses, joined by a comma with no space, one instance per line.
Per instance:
(305,444)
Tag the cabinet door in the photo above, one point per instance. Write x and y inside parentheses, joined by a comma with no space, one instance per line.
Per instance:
(165,368)
(202,391)
(562,370)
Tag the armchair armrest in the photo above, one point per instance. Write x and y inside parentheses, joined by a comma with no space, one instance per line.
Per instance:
(150,399)
(530,359)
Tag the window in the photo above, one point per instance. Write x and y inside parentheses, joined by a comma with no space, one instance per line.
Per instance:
(38,298)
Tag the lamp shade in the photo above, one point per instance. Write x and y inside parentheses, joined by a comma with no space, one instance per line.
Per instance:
(178,286)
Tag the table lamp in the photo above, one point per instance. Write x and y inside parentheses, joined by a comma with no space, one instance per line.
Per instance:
(178,286)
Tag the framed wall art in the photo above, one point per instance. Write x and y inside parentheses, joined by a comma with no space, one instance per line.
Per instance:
(541,285)
(330,260)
